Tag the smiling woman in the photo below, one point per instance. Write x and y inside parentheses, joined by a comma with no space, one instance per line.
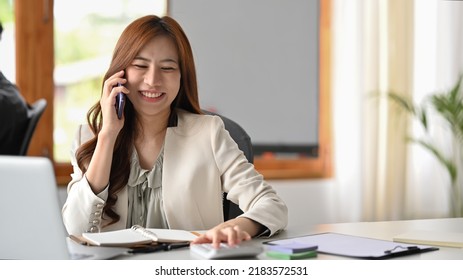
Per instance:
(154,77)
(126,171)
(80,66)
(70,55)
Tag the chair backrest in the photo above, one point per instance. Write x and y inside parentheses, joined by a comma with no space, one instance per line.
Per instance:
(34,113)
(230,209)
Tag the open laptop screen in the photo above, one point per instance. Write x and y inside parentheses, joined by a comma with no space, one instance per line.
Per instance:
(30,214)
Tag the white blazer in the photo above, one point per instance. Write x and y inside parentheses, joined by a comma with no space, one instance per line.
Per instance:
(201,161)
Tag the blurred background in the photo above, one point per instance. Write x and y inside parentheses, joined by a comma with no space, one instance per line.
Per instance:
(363,167)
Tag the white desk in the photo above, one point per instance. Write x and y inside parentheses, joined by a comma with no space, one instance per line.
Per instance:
(379,230)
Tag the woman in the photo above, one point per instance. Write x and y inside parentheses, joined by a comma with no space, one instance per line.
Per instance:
(163,164)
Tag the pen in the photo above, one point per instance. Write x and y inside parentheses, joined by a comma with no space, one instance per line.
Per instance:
(177,245)
(160,247)
(150,249)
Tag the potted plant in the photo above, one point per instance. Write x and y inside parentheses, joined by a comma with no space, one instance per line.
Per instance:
(447,105)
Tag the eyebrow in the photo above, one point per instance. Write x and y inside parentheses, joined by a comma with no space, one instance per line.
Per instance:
(163,60)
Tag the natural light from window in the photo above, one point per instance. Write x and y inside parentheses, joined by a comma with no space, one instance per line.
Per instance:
(7,42)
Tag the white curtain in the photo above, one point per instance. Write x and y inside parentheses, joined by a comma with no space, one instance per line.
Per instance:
(346,107)
(409,47)
(437,64)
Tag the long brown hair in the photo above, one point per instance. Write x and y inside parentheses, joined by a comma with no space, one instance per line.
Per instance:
(135,36)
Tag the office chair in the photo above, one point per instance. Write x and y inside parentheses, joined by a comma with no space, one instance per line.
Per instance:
(230,209)
(34,112)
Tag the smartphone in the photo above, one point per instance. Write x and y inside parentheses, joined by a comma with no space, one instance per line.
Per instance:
(120,100)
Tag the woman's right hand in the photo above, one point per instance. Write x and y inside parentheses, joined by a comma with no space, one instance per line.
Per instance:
(111,123)
(99,169)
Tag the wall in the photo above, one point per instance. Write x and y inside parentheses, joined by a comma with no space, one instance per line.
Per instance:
(308,201)
(257,63)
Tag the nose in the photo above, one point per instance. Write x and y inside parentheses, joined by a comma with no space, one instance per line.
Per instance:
(152,77)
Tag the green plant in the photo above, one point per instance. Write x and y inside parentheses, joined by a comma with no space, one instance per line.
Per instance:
(449,106)
(6,12)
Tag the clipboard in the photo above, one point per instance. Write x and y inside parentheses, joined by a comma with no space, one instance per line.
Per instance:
(355,246)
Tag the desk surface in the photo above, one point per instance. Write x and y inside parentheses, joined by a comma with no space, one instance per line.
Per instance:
(380,230)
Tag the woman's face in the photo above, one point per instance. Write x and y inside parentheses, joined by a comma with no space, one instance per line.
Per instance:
(153,77)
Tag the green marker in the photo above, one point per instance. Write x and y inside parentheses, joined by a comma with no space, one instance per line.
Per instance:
(295,256)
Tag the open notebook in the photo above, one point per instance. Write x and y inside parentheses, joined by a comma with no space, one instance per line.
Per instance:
(30,214)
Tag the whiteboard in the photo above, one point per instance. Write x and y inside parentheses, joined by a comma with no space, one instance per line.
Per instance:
(257,63)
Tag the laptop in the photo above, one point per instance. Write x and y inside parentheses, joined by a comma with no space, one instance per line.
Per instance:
(30,214)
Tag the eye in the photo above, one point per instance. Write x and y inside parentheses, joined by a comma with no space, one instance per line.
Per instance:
(167,68)
(141,66)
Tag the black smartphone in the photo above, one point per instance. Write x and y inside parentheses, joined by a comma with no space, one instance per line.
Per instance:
(120,100)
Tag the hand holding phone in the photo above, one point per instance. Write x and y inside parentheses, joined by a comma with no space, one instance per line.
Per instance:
(120,100)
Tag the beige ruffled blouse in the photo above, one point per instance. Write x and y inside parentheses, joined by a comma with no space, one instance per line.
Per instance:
(145,194)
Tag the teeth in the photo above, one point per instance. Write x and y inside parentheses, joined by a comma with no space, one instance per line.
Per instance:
(151,94)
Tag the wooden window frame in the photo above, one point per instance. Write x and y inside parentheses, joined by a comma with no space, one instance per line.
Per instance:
(34,77)
(321,166)
(34,66)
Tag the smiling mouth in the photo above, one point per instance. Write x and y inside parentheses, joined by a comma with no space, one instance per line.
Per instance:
(151,94)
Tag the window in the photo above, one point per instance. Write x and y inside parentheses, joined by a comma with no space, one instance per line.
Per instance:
(7,42)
